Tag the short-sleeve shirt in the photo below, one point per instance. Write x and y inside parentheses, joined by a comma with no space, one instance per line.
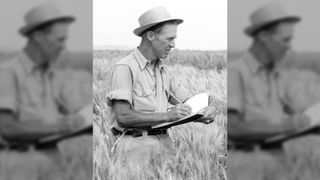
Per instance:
(145,88)
(27,91)
(254,92)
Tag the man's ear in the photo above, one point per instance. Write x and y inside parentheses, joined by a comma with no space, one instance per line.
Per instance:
(150,35)
(263,36)
(37,36)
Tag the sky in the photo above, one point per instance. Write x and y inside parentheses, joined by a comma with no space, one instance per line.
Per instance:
(306,32)
(204,26)
(12,18)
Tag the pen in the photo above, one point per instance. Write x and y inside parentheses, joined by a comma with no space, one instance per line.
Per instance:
(174,97)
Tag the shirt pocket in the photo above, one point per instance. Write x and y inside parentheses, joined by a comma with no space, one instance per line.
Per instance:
(142,92)
(143,100)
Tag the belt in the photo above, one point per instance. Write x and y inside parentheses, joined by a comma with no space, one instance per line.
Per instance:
(138,133)
(26,147)
(253,147)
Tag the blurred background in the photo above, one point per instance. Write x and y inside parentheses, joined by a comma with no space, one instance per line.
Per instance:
(300,80)
(74,80)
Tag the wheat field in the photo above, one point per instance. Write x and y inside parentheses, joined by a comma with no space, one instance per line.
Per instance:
(200,150)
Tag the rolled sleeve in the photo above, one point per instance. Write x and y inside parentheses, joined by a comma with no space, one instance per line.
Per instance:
(121,85)
(235,91)
(8,91)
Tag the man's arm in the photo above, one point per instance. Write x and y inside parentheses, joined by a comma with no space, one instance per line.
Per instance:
(12,130)
(129,118)
(10,127)
(179,94)
(238,129)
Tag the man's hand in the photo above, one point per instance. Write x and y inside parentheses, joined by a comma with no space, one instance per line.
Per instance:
(179,111)
(209,115)
(74,121)
(297,122)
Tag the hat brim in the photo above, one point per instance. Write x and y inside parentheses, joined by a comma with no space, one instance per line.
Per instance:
(138,31)
(250,31)
(28,28)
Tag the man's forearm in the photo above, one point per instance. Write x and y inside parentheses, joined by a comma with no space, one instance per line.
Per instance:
(129,118)
(251,131)
(136,119)
(13,130)
(28,131)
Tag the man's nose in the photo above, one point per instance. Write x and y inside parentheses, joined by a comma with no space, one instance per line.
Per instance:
(172,44)
(288,46)
(63,46)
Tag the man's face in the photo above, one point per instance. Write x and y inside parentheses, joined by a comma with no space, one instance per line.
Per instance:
(278,42)
(164,40)
(53,42)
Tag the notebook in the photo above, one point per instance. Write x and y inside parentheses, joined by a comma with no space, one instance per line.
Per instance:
(313,113)
(87,128)
(196,103)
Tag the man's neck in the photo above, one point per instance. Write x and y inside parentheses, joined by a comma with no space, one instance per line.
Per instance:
(36,57)
(260,54)
(147,52)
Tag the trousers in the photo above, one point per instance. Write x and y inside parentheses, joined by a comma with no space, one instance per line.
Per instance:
(138,150)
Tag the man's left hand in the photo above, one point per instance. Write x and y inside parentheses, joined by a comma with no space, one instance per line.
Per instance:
(209,115)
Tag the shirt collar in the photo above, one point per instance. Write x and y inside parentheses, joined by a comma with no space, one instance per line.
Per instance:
(27,63)
(142,61)
(30,66)
(252,63)
(255,66)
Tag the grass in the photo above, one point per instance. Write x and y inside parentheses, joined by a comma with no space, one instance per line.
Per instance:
(200,150)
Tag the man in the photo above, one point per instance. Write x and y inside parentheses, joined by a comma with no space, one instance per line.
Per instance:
(28,107)
(256,109)
(144,93)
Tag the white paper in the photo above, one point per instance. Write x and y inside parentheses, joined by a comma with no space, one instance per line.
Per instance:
(86,113)
(198,102)
(313,113)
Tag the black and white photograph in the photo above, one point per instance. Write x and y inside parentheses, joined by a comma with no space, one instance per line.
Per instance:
(273,90)
(159,89)
(46,90)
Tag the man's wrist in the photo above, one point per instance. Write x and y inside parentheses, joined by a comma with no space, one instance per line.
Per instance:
(286,128)
(62,127)
(168,116)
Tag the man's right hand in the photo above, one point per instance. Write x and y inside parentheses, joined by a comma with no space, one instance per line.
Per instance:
(297,122)
(179,111)
(71,122)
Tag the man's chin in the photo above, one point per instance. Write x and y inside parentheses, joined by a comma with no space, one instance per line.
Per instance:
(164,56)
(55,57)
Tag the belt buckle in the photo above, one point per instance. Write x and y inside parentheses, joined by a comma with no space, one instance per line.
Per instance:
(144,133)
(256,148)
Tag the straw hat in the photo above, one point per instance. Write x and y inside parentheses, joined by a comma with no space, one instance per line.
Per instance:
(268,14)
(42,14)
(153,17)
